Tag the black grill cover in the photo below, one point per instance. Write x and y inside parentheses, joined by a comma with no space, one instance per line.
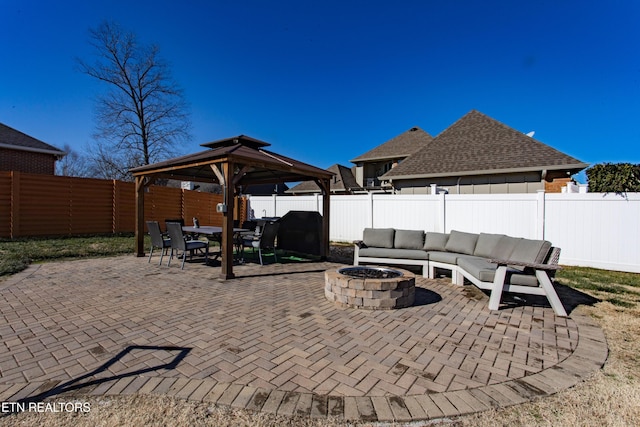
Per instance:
(301,231)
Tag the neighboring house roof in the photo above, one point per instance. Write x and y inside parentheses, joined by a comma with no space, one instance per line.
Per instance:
(477,145)
(16,140)
(342,182)
(401,146)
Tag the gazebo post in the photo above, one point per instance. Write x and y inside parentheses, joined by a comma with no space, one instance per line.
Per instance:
(325,187)
(227,222)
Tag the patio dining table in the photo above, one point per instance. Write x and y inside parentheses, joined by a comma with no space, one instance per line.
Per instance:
(214,232)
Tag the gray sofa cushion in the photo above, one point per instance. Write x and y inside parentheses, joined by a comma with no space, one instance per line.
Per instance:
(486,245)
(523,279)
(528,250)
(447,257)
(485,271)
(441,256)
(462,243)
(435,241)
(479,268)
(409,239)
(393,253)
(378,237)
(505,247)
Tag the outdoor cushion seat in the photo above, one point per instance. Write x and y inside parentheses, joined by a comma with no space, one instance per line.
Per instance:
(435,241)
(488,245)
(409,239)
(479,268)
(461,242)
(485,271)
(445,257)
(523,279)
(379,237)
(533,251)
(394,253)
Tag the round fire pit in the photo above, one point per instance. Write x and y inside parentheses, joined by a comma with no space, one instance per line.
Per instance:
(370,288)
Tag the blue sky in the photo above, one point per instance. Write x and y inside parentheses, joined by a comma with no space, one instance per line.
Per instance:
(326,81)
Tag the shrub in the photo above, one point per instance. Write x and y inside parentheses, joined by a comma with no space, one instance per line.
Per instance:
(616,178)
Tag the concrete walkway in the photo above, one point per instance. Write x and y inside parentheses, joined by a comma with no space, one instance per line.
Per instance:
(270,341)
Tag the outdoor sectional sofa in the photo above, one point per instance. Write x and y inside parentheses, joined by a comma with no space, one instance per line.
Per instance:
(495,262)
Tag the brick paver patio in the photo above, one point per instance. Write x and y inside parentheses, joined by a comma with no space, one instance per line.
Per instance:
(270,341)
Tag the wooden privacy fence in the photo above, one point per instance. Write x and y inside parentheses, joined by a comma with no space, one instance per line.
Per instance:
(45,205)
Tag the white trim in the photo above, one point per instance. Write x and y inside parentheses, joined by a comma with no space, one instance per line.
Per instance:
(33,150)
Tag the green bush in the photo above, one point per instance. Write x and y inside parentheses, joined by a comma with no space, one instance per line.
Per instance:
(616,178)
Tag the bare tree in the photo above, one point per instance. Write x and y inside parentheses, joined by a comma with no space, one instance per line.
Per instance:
(73,164)
(143,116)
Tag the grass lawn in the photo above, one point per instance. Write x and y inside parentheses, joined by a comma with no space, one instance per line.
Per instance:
(16,255)
(611,397)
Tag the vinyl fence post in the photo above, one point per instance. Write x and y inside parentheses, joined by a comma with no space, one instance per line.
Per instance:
(442,211)
(275,204)
(370,194)
(541,200)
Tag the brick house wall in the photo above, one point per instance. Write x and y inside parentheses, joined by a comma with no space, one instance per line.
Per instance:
(27,161)
(554,181)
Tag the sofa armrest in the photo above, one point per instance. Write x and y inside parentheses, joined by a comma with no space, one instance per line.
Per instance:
(547,267)
(359,243)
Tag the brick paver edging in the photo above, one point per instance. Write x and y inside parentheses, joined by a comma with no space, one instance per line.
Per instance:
(589,357)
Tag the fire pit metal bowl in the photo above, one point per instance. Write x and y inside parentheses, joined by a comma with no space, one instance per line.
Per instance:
(370,288)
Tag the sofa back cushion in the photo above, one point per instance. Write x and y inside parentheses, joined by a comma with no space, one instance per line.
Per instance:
(435,241)
(528,250)
(486,245)
(505,247)
(409,239)
(378,237)
(462,243)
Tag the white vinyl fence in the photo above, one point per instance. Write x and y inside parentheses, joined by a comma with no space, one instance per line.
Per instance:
(593,229)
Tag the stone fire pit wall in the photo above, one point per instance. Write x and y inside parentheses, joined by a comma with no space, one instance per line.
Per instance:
(370,293)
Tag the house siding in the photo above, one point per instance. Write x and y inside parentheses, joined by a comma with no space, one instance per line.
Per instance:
(26,161)
(475,184)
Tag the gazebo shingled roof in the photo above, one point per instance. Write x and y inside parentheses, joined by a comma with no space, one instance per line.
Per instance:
(239,160)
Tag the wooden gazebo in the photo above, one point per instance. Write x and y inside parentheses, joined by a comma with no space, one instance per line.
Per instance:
(231,162)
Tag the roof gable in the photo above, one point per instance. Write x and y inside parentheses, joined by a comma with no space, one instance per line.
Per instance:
(14,139)
(479,144)
(400,146)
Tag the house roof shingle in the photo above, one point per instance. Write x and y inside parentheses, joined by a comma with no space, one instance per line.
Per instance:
(400,146)
(343,181)
(478,144)
(16,140)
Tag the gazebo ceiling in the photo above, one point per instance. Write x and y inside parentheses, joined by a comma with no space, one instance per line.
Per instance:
(254,164)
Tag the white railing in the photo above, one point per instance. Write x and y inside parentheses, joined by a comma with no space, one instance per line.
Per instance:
(593,229)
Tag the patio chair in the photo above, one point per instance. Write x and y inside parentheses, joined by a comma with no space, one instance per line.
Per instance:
(178,220)
(180,243)
(265,239)
(157,240)
(250,226)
